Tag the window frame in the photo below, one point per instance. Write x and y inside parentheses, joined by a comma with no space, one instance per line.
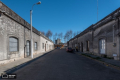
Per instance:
(101,47)
(42,45)
(35,46)
(17,44)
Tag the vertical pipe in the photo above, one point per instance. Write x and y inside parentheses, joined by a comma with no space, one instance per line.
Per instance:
(113,34)
(31,33)
(97,10)
(118,40)
(24,41)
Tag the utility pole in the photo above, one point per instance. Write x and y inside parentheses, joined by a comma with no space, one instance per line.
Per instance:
(31,28)
(97,10)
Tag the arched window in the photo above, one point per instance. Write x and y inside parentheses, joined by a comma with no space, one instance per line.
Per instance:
(13,44)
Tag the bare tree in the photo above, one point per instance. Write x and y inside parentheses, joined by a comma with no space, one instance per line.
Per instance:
(70,34)
(67,36)
(60,36)
(49,34)
(74,34)
(56,36)
(43,32)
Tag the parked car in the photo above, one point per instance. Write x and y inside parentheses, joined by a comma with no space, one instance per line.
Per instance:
(69,49)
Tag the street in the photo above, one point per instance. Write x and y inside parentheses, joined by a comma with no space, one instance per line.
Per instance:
(62,65)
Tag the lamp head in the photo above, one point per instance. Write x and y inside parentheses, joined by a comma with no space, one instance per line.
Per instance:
(39,2)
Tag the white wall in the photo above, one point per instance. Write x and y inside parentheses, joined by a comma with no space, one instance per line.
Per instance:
(49,44)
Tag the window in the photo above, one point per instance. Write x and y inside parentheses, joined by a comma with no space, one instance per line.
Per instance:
(47,46)
(13,44)
(35,45)
(102,46)
(43,45)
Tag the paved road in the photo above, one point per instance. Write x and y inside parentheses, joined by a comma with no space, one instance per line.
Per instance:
(61,65)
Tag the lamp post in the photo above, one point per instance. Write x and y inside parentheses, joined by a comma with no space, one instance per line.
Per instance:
(31,28)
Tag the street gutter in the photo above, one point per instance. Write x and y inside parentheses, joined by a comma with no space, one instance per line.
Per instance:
(102,62)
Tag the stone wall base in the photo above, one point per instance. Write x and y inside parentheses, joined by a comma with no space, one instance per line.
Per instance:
(17,58)
(9,60)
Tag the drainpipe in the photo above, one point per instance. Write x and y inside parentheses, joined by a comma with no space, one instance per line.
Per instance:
(114,18)
(118,40)
(24,42)
(117,56)
(113,34)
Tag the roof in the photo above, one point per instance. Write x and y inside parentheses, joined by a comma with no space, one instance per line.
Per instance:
(103,21)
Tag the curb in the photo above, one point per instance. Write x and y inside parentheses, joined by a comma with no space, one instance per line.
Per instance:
(104,63)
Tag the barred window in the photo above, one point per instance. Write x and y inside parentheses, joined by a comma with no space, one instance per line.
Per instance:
(35,45)
(13,44)
(43,45)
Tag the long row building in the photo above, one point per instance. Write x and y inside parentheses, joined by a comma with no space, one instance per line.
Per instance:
(15,37)
(102,38)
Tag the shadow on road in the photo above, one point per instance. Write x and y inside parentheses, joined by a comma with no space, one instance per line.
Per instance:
(10,71)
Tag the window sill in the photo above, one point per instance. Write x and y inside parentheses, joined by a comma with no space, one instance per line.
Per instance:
(14,52)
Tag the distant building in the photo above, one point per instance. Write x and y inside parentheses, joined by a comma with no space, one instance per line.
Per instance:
(65,44)
(58,41)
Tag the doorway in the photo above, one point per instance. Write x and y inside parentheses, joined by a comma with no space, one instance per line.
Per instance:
(102,46)
(81,47)
(87,45)
(27,48)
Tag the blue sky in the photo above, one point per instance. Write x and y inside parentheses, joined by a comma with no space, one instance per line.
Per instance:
(62,15)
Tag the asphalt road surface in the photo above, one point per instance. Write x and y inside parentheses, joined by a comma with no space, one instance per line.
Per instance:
(61,65)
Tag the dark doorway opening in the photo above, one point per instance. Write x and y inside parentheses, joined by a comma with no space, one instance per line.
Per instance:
(87,45)
(81,47)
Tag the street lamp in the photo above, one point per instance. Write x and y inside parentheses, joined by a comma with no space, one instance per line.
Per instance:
(31,27)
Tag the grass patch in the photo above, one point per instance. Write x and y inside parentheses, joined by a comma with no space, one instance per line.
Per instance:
(88,56)
(92,53)
(97,58)
(101,60)
(110,58)
(83,54)
(115,65)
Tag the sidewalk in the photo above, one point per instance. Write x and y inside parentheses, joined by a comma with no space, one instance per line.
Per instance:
(9,67)
(106,61)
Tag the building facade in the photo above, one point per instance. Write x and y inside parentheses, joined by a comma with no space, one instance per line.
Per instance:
(15,37)
(58,41)
(102,38)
